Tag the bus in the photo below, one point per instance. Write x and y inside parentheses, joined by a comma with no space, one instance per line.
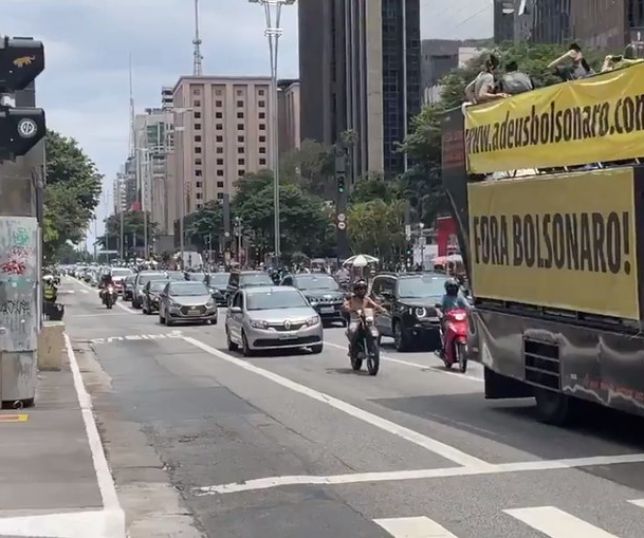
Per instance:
(547,189)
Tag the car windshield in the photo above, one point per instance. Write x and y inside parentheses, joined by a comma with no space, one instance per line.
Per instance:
(420,287)
(198,277)
(144,279)
(188,289)
(219,279)
(257,279)
(271,300)
(326,283)
(121,272)
(157,285)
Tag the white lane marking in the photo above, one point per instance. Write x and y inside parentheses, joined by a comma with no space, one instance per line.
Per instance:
(413,364)
(96,523)
(104,477)
(416,474)
(126,308)
(85,292)
(136,337)
(96,315)
(446,451)
(556,523)
(638,502)
(414,527)
(117,303)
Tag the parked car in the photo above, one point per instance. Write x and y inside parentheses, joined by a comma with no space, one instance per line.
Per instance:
(409,300)
(217,283)
(185,301)
(242,279)
(275,317)
(141,280)
(152,294)
(323,293)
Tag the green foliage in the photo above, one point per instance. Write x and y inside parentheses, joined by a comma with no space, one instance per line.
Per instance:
(304,220)
(311,167)
(205,222)
(377,227)
(71,195)
(133,230)
(375,187)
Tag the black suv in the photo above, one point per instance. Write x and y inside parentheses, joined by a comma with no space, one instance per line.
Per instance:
(322,291)
(410,301)
(244,279)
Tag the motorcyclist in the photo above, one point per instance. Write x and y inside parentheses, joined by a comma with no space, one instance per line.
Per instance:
(358,301)
(452,300)
(50,291)
(106,280)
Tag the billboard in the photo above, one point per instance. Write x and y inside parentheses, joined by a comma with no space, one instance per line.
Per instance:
(596,119)
(567,242)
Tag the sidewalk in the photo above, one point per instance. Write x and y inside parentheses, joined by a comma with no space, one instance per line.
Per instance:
(54,480)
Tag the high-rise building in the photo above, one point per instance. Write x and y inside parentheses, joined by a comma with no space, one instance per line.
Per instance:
(154,142)
(360,72)
(166,97)
(222,132)
(288,115)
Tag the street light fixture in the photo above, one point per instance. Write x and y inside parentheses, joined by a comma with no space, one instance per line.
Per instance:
(273,11)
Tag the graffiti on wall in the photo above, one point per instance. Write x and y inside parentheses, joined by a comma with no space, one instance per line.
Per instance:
(18,283)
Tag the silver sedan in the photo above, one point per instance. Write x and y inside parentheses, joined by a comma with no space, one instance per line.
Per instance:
(186,302)
(277,317)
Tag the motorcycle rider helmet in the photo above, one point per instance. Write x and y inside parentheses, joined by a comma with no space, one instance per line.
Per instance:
(360,288)
(451,287)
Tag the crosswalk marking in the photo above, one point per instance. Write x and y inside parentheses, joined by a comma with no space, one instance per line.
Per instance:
(414,527)
(556,523)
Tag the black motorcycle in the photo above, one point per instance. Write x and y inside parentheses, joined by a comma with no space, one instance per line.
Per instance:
(109,297)
(366,345)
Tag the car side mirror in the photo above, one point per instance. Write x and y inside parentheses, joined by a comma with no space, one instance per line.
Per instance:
(235,310)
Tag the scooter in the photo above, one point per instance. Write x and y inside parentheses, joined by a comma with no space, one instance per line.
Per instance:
(454,336)
(367,344)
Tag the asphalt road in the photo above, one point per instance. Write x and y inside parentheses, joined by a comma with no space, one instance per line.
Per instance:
(299,445)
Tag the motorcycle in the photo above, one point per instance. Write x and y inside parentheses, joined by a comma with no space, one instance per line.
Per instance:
(109,297)
(367,344)
(454,335)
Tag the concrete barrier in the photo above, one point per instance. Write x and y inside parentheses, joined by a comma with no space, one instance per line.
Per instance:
(51,345)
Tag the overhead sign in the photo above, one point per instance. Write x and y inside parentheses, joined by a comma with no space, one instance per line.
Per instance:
(567,242)
(600,118)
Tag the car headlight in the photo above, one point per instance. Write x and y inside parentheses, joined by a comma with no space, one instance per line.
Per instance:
(420,312)
(312,321)
(258,324)
(172,304)
(312,301)
(211,303)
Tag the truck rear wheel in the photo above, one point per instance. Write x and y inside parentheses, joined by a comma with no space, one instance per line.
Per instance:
(554,407)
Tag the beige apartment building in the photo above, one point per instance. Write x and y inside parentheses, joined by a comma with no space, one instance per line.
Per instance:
(222,132)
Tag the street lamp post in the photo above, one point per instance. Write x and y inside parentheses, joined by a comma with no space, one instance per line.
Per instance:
(182,206)
(421,226)
(273,11)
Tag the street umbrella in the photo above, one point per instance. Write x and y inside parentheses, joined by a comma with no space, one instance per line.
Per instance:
(360,260)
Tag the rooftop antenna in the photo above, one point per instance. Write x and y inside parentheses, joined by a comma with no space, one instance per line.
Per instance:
(197,57)
(132,141)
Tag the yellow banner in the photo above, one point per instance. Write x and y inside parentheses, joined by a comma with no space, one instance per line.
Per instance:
(567,242)
(600,118)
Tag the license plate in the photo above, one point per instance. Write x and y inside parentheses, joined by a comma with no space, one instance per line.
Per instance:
(288,336)
(194,311)
(327,310)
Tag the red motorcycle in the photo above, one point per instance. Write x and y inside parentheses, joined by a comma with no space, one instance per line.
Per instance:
(454,334)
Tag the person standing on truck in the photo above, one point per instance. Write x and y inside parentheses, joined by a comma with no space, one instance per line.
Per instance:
(578,67)
(483,88)
(613,62)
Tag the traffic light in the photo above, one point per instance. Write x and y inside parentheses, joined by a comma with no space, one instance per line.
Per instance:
(342,182)
(21,128)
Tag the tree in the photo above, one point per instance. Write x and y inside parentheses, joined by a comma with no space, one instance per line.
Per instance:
(304,219)
(204,226)
(71,195)
(133,231)
(375,187)
(377,227)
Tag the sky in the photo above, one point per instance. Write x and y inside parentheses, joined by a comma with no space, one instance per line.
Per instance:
(85,91)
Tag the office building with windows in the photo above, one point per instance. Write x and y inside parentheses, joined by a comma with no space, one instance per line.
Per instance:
(222,132)
(360,72)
